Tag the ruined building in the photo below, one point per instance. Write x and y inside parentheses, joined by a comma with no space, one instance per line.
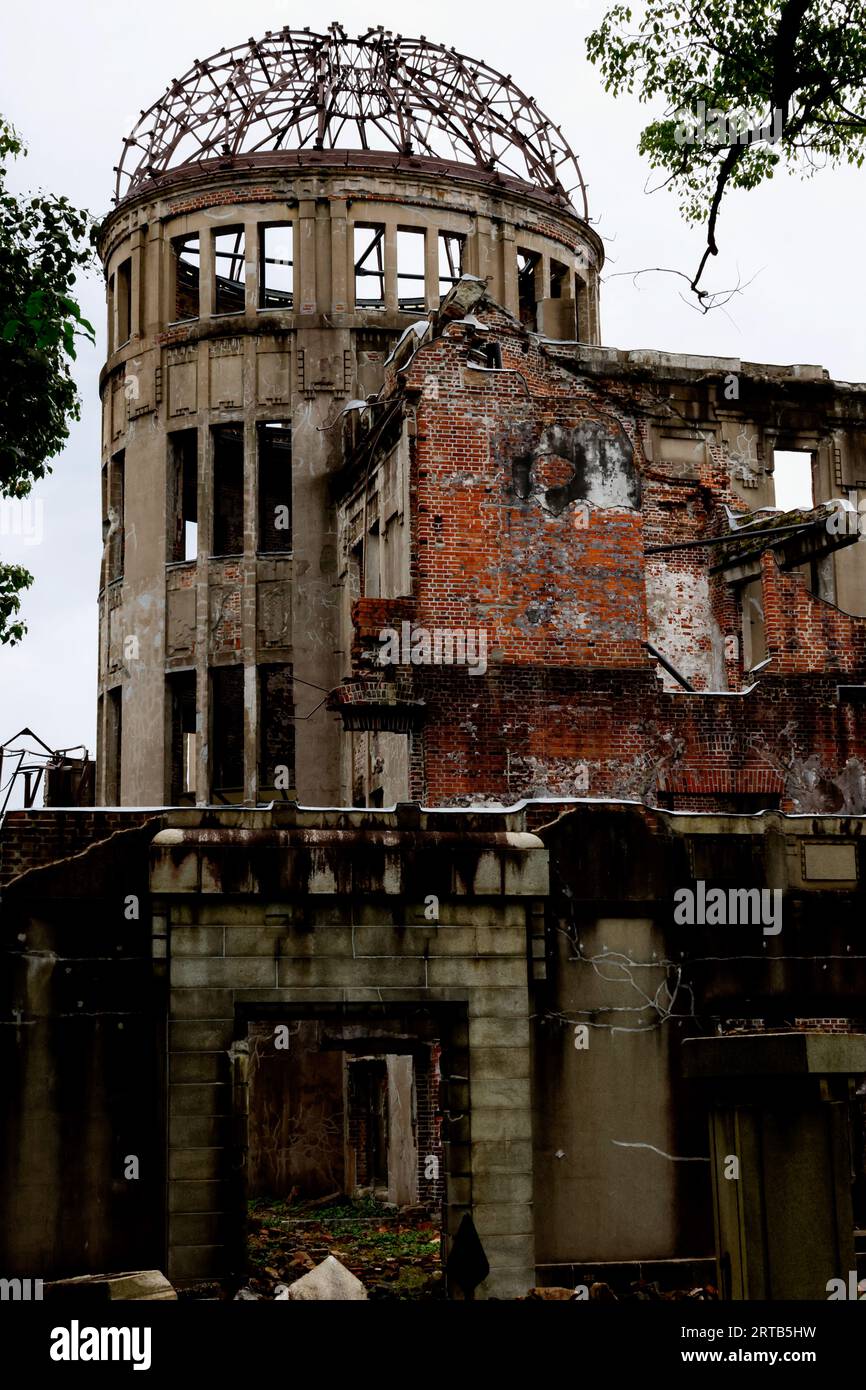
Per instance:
(386,526)
(268,249)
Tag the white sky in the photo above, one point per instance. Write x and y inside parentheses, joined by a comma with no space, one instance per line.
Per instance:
(73,77)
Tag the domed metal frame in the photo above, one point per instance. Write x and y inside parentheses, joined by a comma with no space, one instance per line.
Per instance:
(297,90)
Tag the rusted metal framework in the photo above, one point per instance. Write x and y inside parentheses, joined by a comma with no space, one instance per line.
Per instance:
(297,90)
(32,764)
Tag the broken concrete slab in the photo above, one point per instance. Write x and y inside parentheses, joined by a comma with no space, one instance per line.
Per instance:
(143,1285)
(329,1280)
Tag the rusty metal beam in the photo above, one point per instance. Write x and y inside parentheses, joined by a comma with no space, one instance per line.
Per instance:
(296,90)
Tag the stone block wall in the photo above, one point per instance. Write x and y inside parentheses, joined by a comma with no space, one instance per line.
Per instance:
(309,918)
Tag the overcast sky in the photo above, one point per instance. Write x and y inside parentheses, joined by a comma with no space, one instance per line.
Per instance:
(73,77)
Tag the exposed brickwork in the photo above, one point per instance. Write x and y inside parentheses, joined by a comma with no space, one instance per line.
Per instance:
(534,504)
(431,1189)
(33,839)
(806,635)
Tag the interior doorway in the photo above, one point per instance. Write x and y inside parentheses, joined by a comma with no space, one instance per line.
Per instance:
(345,1123)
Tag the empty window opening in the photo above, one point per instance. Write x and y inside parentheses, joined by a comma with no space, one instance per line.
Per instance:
(369,252)
(227,703)
(276,731)
(527,297)
(275,487)
(182,509)
(187,275)
(559,280)
(228,490)
(113,525)
(486,354)
(113,744)
(792,480)
(276,266)
(123,293)
(184,736)
(452,249)
(410,271)
(229,271)
(754,631)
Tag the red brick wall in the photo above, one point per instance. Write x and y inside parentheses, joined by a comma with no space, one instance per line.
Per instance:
(32,839)
(546,588)
(521,732)
(431,1191)
(806,634)
(571,703)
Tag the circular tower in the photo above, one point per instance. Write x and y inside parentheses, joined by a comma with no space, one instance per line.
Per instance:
(283,213)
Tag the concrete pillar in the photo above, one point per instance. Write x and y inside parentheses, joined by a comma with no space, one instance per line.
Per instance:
(402,1145)
(206,276)
(155,277)
(431,267)
(391,268)
(305,257)
(249,592)
(323,258)
(339,257)
(251,267)
(510,297)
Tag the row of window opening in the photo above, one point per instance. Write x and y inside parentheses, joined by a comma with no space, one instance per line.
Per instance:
(273,533)
(277,268)
(275,772)
(276,279)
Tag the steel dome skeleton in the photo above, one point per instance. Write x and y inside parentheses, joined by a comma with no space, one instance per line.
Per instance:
(296,90)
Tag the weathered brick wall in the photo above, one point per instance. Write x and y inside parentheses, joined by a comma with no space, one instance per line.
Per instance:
(806,635)
(431,1175)
(563,733)
(32,839)
(571,702)
(552,588)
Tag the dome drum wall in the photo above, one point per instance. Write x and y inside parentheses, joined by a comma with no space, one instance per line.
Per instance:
(497,219)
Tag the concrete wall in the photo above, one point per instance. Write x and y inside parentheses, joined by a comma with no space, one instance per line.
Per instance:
(320,920)
(259,921)
(82,1156)
(622,1149)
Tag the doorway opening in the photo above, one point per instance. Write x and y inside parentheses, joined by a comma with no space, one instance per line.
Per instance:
(346,1142)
